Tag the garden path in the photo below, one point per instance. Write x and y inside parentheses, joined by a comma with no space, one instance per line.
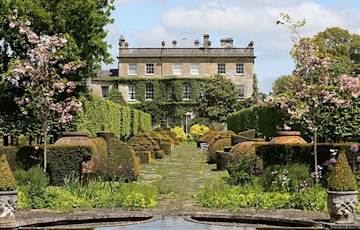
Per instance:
(180,177)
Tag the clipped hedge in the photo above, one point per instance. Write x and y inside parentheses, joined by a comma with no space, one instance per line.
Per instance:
(283,154)
(7,180)
(99,113)
(122,161)
(259,117)
(66,159)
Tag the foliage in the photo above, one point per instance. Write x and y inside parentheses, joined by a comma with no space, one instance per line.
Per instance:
(220,195)
(342,178)
(122,163)
(281,84)
(315,85)
(217,143)
(47,95)
(84,22)
(180,134)
(116,96)
(32,184)
(220,98)
(7,181)
(341,46)
(291,178)
(98,113)
(64,159)
(197,131)
(259,117)
(96,194)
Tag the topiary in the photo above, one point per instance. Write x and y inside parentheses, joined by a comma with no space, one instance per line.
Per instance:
(7,180)
(341,177)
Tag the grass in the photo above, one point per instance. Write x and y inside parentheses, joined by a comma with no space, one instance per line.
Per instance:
(179,177)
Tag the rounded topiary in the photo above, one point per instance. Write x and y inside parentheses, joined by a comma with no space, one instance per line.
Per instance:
(342,178)
(7,180)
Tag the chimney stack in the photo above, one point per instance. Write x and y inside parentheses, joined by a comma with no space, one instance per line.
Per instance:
(207,42)
(196,43)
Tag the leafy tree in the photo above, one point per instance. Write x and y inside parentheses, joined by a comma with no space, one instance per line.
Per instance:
(342,47)
(315,86)
(47,93)
(281,84)
(82,22)
(219,99)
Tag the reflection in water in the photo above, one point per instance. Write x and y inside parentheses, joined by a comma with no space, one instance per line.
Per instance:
(175,223)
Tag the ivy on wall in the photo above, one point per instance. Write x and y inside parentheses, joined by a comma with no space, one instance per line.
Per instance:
(159,107)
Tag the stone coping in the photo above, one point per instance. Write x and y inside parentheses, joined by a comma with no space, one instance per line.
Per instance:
(287,219)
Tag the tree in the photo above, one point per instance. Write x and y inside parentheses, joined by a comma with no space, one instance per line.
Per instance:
(47,93)
(281,84)
(83,21)
(342,47)
(315,86)
(219,99)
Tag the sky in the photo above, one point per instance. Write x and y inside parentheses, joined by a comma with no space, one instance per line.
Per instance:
(146,23)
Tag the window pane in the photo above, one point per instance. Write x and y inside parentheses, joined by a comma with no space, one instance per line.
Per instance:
(239,68)
(149,69)
(241,90)
(132,69)
(186,94)
(169,93)
(149,93)
(132,92)
(221,69)
(104,91)
(194,69)
(177,69)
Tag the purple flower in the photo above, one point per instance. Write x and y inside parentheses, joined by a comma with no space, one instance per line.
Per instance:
(327,162)
(252,171)
(358,159)
(332,160)
(354,148)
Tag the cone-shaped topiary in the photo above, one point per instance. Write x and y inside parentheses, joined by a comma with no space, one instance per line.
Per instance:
(342,178)
(7,181)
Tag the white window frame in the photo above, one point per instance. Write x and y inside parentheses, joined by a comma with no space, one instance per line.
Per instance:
(132,93)
(186,92)
(221,68)
(177,69)
(132,69)
(149,92)
(239,69)
(169,93)
(241,92)
(194,69)
(104,91)
(150,69)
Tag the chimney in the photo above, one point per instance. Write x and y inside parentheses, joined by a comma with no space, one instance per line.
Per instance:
(196,43)
(207,42)
(225,41)
(174,43)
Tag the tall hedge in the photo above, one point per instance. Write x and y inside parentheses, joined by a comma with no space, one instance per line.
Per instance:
(259,117)
(99,113)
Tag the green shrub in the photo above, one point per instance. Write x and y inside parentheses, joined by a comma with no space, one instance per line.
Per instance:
(342,178)
(310,198)
(32,184)
(7,181)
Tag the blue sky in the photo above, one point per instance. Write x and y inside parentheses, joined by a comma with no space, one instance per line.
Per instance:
(146,23)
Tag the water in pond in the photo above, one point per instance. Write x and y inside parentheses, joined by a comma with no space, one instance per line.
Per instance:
(175,223)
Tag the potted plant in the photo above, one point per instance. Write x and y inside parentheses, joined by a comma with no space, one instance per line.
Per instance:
(8,194)
(342,195)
